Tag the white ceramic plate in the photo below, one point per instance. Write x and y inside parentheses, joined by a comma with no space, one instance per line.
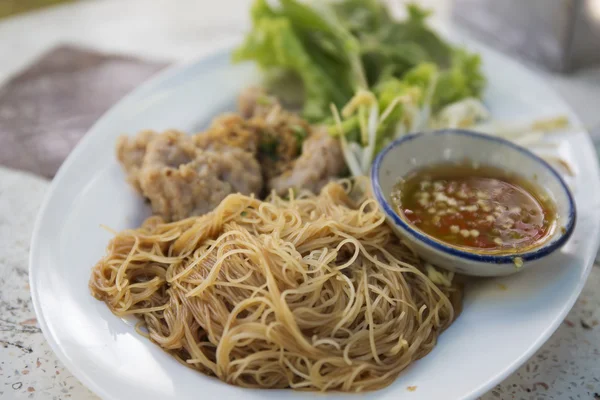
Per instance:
(504,320)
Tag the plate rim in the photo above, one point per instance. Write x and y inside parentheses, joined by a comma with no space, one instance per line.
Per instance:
(219,49)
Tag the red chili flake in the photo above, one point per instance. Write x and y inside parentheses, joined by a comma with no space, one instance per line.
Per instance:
(542,384)
(38,363)
(411,388)
(30,389)
(25,371)
(31,321)
(569,323)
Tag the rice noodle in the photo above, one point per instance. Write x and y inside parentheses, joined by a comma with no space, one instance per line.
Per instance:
(314,292)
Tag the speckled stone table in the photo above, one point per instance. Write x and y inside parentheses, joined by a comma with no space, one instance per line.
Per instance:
(566,367)
(28,367)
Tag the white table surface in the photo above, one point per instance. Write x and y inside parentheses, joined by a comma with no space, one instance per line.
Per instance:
(567,367)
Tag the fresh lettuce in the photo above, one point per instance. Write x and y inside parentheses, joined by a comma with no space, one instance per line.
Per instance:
(387,77)
(396,47)
(462,80)
(314,48)
(337,48)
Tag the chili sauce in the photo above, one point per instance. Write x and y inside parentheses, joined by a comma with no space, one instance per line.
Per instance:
(477,207)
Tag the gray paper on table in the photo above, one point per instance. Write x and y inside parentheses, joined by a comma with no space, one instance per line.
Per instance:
(47,108)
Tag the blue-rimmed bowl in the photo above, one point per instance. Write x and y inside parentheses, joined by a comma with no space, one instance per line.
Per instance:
(416,151)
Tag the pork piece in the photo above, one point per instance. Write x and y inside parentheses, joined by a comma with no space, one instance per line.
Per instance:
(131,152)
(170,150)
(181,179)
(280,133)
(292,153)
(321,161)
(185,175)
(229,131)
(255,101)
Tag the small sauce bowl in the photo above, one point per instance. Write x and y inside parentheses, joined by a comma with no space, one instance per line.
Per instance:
(413,152)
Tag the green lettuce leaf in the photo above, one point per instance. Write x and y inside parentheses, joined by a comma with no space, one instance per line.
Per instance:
(273,43)
(316,49)
(336,48)
(361,17)
(463,79)
(412,91)
(394,47)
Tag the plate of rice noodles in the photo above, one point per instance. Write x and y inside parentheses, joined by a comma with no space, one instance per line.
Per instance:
(214,235)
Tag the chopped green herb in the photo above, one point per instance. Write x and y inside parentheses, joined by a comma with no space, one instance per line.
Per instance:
(264,100)
(293,190)
(268,146)
(243,213)
(300,134)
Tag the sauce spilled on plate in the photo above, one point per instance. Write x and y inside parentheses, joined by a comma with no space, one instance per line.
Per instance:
(473,206)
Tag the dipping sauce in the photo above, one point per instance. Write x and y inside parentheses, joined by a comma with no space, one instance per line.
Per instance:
(479,207)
